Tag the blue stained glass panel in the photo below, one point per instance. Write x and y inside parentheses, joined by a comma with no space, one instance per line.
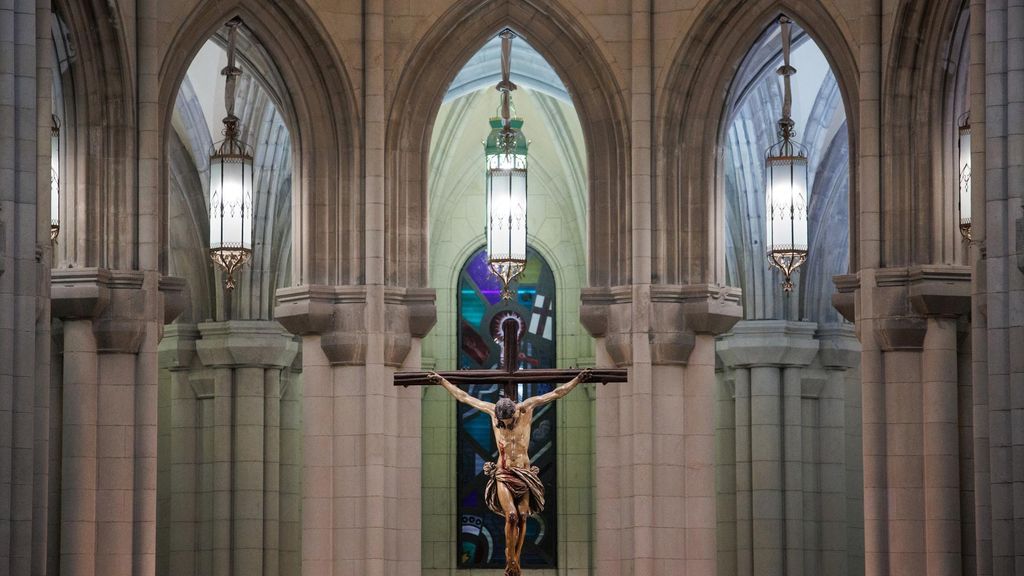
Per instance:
(481,533)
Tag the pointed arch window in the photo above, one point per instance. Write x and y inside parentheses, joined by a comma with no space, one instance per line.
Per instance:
(481,533)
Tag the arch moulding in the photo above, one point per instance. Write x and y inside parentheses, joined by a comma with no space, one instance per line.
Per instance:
(442,52)
(689,204)
(322,116)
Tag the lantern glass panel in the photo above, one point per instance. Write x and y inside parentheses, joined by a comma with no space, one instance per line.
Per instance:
(55,177)
(506,207)
(965,175)
(231,202)
(786,198)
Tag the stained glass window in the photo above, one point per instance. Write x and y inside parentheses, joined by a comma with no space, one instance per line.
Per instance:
(481,533)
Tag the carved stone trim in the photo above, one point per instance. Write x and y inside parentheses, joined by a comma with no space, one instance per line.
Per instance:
(839,348)
(177,348)
(844,299)
(114,300)
(245,343)
(339,315)
(677,315)
(706,308)
(769,343)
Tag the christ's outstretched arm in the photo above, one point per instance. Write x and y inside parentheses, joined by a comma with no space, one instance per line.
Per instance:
(461,395)
(535,401)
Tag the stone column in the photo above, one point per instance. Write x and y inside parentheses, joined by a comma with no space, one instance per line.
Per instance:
(361,434)
(767,358)
(840,534)
(655,434)
(178,460)
(788,450)
(246,359)
(906,319)
(25,257)
(228,509)
(107,498)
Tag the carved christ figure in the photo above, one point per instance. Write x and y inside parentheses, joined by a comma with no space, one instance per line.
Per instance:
(514,489)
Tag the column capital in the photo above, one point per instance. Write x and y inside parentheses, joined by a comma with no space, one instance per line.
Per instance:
(677,315)
(177,348)
(339,315)
(769,343)
(118,302)
(245,343)
(898,300)
(839,348)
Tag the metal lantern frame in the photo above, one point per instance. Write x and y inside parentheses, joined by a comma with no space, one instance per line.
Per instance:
(505,154)
(229,157)
(964,176)
(786,159)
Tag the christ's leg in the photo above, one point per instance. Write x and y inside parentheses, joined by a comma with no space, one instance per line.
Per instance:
(524,514)
(511,529)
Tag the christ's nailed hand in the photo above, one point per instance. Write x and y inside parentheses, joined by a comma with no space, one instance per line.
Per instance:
(584,375)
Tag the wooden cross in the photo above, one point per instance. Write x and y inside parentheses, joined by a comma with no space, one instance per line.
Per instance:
(508,376)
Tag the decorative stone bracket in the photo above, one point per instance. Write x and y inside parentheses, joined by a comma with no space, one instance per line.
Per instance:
(677,314)
(899,300)
(769,343)
(245,343)
(341,316)
(117,303)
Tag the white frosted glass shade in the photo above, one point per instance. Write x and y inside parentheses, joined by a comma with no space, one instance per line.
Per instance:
(506,207)
(231,178)
(965,175)
(786,199)
(55,178)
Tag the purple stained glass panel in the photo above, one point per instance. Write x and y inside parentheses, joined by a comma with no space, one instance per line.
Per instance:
(481,275)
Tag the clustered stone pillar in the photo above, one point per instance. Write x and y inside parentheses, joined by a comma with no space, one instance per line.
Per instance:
(360,433)
(914,491)
(785,439)
(655,434)
(106,406)
(227,383)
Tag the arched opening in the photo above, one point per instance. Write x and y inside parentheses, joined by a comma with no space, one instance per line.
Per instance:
(597,98)
(64,174)
(788,393)
(753,108)
(316,102)
(459,532)
(688,205)
(225,364)
(196,127)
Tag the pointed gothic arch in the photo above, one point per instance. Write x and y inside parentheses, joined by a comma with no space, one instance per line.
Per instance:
(563,42)
(688,244)
(322,116)
(104,144)
(917,225)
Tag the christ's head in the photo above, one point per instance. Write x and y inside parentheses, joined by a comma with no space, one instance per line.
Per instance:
(505,411)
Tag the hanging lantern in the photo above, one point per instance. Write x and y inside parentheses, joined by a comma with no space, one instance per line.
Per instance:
(231,181)
(505,154)
(54,177)
(964,145)
(786,189)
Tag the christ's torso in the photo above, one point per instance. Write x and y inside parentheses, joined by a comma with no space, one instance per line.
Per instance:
(514,442)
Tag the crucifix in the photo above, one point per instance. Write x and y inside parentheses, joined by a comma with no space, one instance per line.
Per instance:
(514,489)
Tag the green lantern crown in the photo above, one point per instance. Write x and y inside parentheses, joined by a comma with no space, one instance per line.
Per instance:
(493,143)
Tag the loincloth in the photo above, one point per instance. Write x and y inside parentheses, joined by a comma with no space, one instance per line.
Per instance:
(518,481)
